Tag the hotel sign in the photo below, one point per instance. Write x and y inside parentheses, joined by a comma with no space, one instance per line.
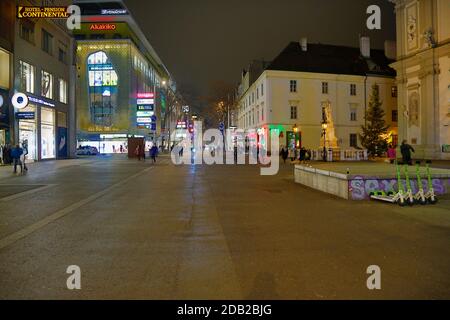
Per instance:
(42,12)
(102,27)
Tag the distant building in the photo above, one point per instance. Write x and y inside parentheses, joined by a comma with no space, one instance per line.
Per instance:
(122,82)
(423,75)
(306,83)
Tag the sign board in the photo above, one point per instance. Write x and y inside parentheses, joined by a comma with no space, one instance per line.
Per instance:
(150,107)
(25,115)
(33,12)
(114,12)
(145,101)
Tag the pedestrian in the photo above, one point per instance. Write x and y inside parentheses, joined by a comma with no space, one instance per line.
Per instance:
(284,154)
(406,149)
(153,153)
(16,153)
(121,148)
(302,154)
(114,149)
(25,153)
(137,152)
(1,155)
(391,153)
(291,154)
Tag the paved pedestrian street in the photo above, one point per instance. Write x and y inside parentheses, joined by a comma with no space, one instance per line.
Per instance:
(143,231)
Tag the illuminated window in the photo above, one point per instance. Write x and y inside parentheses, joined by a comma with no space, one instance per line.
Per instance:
(26,74)
(103,83)
(4,67)
(46,84)
(62,91)
(394,92)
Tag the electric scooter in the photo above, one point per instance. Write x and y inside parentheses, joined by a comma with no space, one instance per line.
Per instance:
(430,196)
(409,197)
(392,197)
(419,197)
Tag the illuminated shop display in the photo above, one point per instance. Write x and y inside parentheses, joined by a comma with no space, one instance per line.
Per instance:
(103,82)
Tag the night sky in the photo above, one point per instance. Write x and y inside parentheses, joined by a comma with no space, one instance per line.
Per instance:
(205,41)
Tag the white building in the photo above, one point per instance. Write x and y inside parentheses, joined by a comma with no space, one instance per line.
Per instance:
(423,75)
(307,80)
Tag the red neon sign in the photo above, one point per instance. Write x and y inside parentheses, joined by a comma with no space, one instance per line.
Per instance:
(145,95)
(102,26)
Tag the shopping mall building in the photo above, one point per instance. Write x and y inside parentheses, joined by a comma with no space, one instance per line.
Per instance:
(121,81)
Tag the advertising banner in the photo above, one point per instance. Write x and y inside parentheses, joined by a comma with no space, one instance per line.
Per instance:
(62,142)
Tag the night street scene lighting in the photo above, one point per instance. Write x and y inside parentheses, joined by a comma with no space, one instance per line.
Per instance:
(224,159)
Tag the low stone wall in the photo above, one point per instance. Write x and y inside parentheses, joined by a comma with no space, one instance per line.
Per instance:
(354,187)
(326,181)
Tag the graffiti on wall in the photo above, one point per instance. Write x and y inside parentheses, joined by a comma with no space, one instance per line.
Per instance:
(360,187)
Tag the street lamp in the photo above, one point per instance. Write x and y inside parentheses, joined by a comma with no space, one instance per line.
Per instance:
(324,133)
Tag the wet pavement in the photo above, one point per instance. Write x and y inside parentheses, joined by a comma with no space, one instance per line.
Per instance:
(143,231)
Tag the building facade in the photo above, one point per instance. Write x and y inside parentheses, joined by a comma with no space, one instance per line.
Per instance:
(43,70)
(121,80)
(308,84)
(423,75)
(7,17)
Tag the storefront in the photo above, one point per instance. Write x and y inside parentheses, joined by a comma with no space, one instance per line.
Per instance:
(47,133)
(28,130)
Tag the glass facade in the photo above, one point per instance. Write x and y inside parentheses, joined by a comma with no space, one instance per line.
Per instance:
(28,133)
(47,133)
(103,83)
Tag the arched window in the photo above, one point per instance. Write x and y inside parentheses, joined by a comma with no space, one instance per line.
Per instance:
(103,86)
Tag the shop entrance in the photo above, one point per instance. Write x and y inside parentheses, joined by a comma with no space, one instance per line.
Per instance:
(27,134)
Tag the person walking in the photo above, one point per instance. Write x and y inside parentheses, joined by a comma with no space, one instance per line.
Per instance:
(153,153)
(291,154)
(16,153)
(137,152)
(25,153)
(284,154)
(406,149)
(391,153)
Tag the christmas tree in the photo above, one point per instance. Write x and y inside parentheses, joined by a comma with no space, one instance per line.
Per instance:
(373,136)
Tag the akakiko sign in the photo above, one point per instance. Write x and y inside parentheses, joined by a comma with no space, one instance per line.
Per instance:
(102,27)
(145,95)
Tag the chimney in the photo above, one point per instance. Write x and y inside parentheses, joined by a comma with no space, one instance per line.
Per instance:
(390,49)
(304,44)
(365,46)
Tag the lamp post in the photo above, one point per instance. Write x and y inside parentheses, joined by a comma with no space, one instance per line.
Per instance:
(324,133)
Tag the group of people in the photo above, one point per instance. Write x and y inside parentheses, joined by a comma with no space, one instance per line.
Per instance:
(14,155)
(405,150)
(301,154)
(140,152)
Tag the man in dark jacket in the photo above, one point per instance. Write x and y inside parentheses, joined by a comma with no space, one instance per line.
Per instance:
(406,149)
(153,153)
(16,153)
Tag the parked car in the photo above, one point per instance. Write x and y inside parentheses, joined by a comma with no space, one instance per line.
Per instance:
(87,151)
